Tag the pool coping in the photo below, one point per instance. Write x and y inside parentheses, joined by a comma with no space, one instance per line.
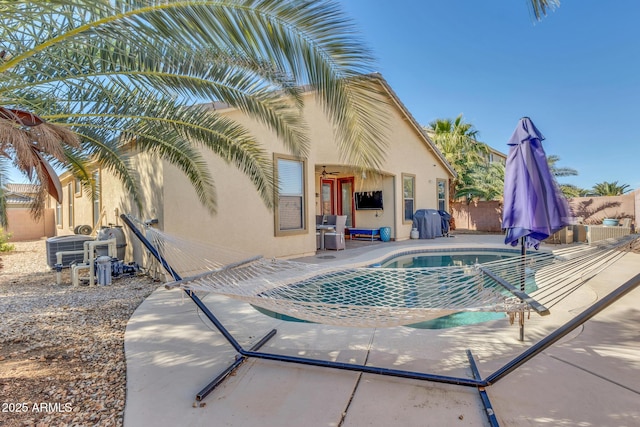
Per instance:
(170,351)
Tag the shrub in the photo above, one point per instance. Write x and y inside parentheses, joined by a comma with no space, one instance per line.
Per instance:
(5,246)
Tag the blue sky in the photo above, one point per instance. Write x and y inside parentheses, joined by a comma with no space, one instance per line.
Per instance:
(576,73)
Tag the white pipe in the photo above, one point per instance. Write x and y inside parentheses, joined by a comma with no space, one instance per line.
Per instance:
(88,253)
(59,256)
(75,275)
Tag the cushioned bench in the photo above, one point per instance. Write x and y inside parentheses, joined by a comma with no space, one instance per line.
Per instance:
(364,233)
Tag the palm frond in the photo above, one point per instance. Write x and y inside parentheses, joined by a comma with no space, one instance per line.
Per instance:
(108,70)
(541,7)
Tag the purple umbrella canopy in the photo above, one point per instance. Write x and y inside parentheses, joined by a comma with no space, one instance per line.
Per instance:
(534,207)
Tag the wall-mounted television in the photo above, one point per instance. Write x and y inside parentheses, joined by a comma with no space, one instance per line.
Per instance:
(368,200)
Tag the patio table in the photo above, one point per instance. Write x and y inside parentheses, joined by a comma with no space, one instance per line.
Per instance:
(323,228)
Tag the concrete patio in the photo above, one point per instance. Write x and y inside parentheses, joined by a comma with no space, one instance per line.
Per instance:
(589,378)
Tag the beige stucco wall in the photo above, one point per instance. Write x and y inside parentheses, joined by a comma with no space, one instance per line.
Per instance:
(82,212)
(409,154)
(244,223)
(116,200)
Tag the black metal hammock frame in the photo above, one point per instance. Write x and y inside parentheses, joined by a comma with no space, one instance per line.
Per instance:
(477,381)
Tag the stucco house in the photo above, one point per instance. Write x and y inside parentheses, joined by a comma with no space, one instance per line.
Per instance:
(414,175)
(22,225)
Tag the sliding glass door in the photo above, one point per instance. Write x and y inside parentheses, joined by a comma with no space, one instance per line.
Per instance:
(345,201)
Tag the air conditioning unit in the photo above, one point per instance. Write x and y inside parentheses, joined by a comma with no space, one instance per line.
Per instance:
(65,244)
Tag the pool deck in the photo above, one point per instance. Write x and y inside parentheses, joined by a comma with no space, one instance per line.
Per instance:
(589,378)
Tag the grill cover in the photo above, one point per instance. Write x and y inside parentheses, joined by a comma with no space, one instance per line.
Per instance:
(428,222)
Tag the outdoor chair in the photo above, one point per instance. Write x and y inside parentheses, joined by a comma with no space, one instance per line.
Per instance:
(335,239)
(319,220)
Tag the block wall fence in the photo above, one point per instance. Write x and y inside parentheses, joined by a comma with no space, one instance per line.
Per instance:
(486,216)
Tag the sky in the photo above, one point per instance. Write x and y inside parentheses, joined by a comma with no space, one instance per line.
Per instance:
(576,73)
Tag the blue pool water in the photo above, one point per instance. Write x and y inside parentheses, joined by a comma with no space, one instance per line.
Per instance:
(444,260)
(437,259)
(411,260)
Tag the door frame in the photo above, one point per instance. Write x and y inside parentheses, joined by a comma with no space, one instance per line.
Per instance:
(332,201)
(341,181)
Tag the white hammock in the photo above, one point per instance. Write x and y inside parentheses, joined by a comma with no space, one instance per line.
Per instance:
(381,297)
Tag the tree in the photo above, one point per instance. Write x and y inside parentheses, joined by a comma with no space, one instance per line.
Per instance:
(125,76)
(610,189)
(540,7)
(570,190)
(567,189)
(486,182)
(556,171)
(457,142)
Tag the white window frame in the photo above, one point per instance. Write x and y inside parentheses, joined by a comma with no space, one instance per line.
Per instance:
(96,197)
(442,200)
(406,198)
(58,214)
(287,194)
(71,195)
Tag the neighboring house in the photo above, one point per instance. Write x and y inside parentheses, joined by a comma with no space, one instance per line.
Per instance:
(414,175)
(496,156)
(493,156)
(20,195)
(78,209)
(22,226)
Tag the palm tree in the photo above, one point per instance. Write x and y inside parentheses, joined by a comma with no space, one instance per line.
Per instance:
(570,190)
(552,160)
(485,182)
(610,188)
(457,142)
(540,7)
(103,78)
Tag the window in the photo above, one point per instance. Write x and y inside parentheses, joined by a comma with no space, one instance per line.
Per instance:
(77,187)
(70,206)
(408,196)
(442,195)
(58,215)
(96,197)
(291,210)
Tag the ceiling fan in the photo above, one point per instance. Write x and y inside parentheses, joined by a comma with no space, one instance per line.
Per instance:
(325,173)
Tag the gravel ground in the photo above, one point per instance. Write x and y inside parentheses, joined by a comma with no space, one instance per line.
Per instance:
(62,348)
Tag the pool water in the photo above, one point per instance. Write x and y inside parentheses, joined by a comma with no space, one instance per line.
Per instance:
(445,260)
(449,259)
(409,260)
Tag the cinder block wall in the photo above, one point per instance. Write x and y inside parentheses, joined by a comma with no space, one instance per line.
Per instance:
(478,216)
(487,216)
(23,227)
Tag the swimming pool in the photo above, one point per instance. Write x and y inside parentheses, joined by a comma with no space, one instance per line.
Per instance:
(419,259)
(444,259)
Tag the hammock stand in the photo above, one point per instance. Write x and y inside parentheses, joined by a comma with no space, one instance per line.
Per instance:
(478,382)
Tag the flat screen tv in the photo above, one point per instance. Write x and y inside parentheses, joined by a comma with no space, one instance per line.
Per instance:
(368,200)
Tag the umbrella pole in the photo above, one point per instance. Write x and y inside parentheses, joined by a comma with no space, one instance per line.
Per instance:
(523,256)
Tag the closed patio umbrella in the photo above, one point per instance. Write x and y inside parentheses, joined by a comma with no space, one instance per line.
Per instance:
(534,207)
